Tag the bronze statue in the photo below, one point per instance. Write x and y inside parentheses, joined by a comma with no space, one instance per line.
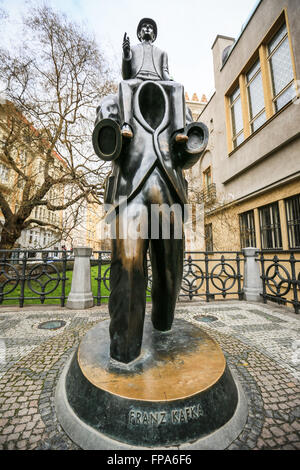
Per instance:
(148,134)
(146,62)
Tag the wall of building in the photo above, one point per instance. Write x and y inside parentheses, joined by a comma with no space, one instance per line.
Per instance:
(266,167)
(225,222)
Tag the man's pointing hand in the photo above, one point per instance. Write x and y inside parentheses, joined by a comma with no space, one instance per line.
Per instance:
(126,46)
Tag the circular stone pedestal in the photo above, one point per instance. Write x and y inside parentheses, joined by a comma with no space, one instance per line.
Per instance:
(179,392)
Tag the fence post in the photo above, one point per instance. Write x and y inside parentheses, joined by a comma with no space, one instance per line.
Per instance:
(81,296)
(252,281)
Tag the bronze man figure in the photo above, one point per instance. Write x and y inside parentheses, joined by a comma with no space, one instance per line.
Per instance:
(145,133)
(146,62)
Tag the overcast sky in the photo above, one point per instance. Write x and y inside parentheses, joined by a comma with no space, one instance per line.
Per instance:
(186,30)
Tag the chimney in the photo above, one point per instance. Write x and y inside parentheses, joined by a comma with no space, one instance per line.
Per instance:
(220,43)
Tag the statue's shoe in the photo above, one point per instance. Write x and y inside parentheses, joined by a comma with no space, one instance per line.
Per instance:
(127,132)
(181,138)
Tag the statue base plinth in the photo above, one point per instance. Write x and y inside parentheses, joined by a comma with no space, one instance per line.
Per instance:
(178,393)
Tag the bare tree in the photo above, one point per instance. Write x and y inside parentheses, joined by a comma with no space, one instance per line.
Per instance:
(50,90)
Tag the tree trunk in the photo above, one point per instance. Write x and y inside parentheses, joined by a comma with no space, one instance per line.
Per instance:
(11,231)
(9,235)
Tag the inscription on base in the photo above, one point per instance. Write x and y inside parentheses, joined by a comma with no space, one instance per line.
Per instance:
(157,418)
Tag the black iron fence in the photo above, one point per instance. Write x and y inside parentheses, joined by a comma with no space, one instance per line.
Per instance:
(280,273)
(212,274)
(32,275)
(103,260)
(37,276)
(205,275)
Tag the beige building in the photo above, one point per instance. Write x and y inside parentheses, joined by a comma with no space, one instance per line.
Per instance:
(249,177)
(195,105)
(90,229)
(97,232)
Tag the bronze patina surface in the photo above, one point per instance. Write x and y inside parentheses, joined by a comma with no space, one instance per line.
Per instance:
(178,390)
(169,368)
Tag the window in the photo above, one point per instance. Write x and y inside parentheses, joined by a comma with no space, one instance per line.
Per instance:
(264,87)
(247,230)
(256,97)
(279,57)
(236,118)
(208,237)
(270,227)
(293,220)
(207,177)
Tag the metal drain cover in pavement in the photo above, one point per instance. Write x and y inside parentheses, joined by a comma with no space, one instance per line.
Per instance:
(205,318)
(52,325)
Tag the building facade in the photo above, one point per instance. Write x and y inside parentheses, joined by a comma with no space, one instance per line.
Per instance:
(249,177)
(195,105)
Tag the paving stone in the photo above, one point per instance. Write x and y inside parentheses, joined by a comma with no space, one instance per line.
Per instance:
(277,432)
(288,447)
(22,445)
(20,428)
(287,428)
(270,442)
(25,419)
(256,341)
(13,437)
(266,434)
(7,430)
(23,412)
(296,425)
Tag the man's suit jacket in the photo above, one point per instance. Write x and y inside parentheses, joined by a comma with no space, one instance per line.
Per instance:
(137,160)
(132,66)
(149,148)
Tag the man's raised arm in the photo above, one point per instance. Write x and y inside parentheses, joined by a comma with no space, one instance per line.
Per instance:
(126,60)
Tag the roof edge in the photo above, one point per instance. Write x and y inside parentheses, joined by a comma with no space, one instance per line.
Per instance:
(220,36)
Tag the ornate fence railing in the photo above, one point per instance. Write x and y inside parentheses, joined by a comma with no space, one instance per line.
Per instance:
(280,273)
(33,275)
(205,274)
(103,260)
(39,276)
(212,274)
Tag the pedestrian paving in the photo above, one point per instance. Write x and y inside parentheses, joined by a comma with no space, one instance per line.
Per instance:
(261,343)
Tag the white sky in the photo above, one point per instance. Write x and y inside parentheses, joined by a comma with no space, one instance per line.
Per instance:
(186,30)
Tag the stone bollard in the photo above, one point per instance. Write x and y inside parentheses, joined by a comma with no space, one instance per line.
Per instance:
(252,280)
(81,295)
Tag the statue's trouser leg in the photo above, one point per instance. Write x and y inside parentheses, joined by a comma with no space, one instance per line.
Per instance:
(167,269)
(177,104)
(128,284)
(126,90)
(128,279)
(166,250)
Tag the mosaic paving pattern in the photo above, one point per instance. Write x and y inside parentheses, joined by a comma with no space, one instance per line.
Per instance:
(261,344)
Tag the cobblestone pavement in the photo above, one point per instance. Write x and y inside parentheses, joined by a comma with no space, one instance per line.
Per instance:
(260,342)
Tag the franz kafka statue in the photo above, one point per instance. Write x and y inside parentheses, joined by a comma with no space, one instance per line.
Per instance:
(147,133)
